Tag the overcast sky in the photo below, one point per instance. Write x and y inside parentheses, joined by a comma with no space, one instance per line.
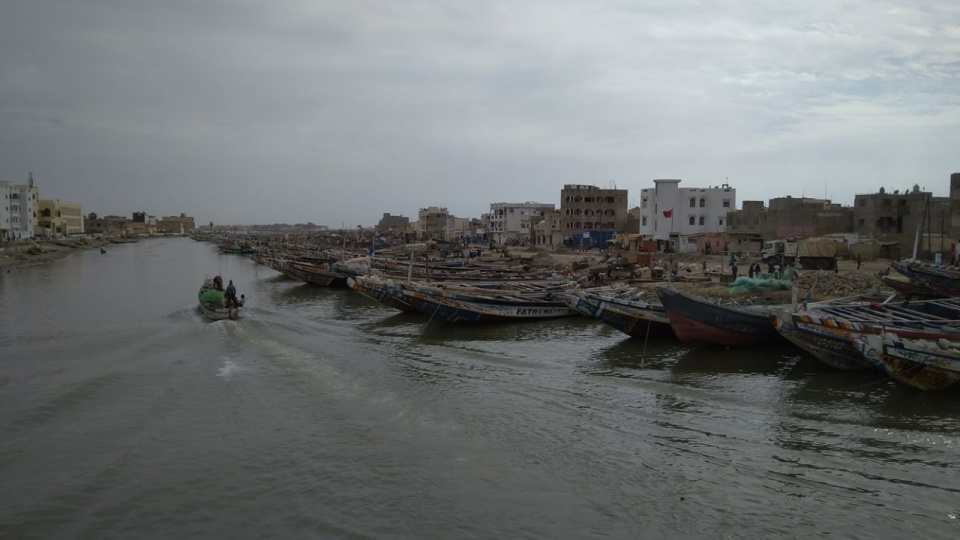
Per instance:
(254,111)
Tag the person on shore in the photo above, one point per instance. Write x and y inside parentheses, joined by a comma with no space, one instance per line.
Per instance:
(858,262)
(231,295)
(704,267)
(750,271)
(776,271)
(734,269)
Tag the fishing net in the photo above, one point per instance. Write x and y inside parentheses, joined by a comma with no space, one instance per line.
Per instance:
(764,283)
(211,297)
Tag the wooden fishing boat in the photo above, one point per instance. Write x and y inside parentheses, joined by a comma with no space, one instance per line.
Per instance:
(314,275)
(635,318)
(237,249)
(828,331)
(377,289)
(923,364)
(942,279)
(210,303)
(456,304)
(700,321)
(908,289)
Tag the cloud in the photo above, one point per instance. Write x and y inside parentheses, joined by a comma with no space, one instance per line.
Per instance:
(242,111)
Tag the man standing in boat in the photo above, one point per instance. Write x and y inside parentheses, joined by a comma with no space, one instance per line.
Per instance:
(231,295)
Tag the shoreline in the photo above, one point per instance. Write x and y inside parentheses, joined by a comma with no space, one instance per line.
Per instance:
(42,251)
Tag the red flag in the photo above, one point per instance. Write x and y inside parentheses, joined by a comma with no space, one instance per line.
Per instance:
(668,213)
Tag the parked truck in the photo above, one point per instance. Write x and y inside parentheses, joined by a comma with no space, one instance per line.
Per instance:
(808,253)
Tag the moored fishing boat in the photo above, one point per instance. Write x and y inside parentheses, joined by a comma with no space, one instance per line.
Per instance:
(920,363)
(314,275)
(633,317)
(454,304)
(211,303)
(700,321)
(908,289)
(945,280)
(377,289)
(828,331)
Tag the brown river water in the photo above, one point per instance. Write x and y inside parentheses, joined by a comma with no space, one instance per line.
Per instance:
(321,414)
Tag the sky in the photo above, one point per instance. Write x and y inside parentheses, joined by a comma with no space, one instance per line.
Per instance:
(296,111)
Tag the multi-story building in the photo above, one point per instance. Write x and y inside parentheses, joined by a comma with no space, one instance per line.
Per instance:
(955,209)
(667,210)
(456,229)
(105,225)
(509,223)
(898,216)
(549,231)
(392,224)
(176,224)
(789,217)
(57,218)
(590,208)
(18,213)
(432,222)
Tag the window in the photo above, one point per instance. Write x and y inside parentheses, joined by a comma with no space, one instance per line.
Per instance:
(721,222)
(726,203)
(702,220)
(860,223)
(693,220)
(703,204)
(645,221)
(693,202)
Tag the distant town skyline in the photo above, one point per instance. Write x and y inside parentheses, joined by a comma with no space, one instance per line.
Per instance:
(334,113)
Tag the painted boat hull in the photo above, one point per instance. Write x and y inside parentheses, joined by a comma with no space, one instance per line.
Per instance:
(921,364)
(633,320)
(944,280)
(313,275)
(377,290)
(701,322)
(834,347)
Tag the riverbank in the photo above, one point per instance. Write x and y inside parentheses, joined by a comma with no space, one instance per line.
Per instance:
(846,281)
(43,250)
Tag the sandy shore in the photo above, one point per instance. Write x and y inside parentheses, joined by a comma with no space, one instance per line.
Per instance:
(40,251)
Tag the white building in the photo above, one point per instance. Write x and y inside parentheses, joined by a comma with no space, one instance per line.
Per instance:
(668,210)
(510,222)
(18,212)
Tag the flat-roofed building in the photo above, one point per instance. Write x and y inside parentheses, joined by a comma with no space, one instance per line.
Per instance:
(667,210)
(18,211)
(58,218)
(510,222)
(175,224)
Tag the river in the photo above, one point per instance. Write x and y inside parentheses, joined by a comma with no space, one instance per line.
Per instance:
(321,414)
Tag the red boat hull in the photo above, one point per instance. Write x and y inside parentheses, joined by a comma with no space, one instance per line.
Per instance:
(693,331)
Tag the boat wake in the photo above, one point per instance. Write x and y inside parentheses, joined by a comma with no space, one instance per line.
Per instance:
(228,368)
